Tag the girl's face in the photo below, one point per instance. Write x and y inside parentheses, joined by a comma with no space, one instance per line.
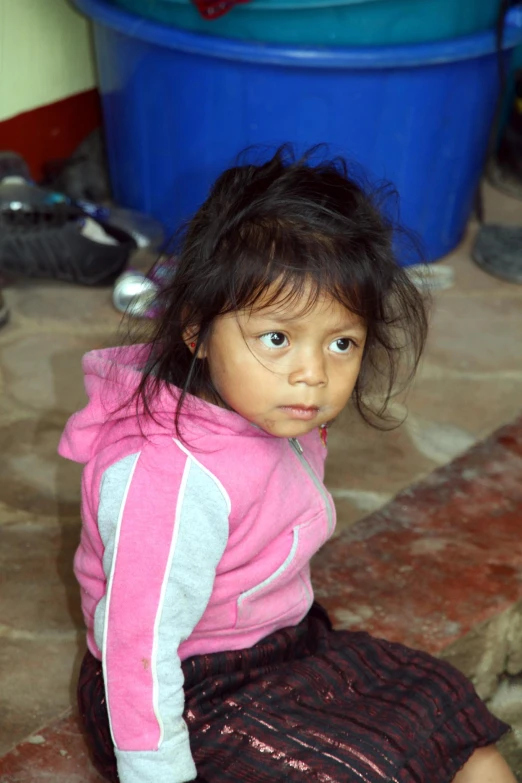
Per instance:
(287,368)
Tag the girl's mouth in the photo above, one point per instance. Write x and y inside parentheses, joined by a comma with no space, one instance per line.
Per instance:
(300,412)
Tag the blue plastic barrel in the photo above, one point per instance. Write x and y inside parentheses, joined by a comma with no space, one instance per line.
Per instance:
(329,22)
(179,106)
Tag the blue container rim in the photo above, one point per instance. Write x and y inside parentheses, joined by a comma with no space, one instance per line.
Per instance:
(357,58)
(287,5)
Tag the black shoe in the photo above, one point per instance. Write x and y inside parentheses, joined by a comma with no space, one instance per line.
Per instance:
(45,237)
(56,249)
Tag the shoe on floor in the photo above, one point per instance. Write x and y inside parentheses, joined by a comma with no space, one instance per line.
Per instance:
(498,251)
(44,236)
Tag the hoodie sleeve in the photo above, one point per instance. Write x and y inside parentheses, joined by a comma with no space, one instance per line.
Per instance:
(163,519)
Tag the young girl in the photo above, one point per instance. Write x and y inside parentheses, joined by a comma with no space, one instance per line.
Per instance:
(203,503)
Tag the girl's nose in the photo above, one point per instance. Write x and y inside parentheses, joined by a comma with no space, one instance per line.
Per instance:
(310,369)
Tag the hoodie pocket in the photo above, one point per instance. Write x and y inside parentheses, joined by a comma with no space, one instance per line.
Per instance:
(286,591)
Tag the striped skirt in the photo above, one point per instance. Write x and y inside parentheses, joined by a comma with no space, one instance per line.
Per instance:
(311,704)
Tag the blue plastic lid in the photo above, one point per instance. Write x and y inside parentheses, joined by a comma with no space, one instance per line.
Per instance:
(292,5)
(360,58)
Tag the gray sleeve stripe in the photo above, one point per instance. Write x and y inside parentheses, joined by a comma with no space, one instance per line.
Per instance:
(201,537)
(164,586)
(114,488)
(207,471)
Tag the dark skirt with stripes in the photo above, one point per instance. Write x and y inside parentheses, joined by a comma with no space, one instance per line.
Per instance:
(311,704)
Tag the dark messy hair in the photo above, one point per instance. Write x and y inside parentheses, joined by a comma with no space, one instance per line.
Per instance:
(288,224)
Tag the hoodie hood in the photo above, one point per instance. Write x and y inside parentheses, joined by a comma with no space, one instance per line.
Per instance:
(114,412)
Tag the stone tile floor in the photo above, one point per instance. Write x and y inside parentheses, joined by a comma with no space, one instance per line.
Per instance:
(470,383)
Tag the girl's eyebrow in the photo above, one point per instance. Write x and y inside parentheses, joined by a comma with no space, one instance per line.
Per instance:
(343,326)
(273,315)
(350,326)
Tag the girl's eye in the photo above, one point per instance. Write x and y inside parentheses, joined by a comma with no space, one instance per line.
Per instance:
(343,345)
(274,340)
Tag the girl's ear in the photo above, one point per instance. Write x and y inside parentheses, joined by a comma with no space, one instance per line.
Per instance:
(190,338)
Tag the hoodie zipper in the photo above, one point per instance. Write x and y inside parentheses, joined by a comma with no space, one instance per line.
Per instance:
(298,449)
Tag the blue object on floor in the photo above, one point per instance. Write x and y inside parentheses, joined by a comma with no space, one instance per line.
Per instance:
(329,22)
(179,106)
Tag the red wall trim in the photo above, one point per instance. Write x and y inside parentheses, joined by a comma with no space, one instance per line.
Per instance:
(51,132)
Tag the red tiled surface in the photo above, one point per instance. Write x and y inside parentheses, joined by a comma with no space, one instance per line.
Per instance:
(55,753)
(445,555)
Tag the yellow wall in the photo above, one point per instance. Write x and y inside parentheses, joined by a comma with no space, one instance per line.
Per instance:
(45,54)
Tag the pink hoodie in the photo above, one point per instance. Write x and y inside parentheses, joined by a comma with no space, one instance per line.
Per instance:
(188,546)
